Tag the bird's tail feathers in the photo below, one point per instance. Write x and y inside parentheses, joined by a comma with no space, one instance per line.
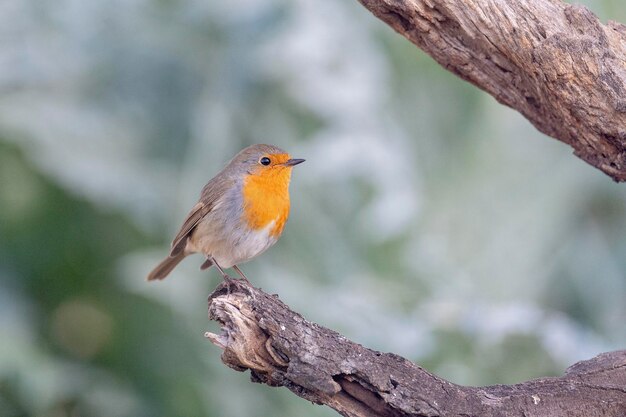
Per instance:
(166,266)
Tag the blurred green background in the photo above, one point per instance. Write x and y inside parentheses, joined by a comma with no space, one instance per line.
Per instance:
(428,220)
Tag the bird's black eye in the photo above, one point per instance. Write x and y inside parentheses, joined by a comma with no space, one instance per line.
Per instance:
(265,161)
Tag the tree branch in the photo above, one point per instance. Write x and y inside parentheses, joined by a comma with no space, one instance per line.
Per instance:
(281,348)
(553,62)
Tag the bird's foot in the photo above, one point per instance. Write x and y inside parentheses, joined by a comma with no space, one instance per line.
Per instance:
(233,284)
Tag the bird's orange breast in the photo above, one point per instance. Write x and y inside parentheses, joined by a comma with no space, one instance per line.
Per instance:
(266,198)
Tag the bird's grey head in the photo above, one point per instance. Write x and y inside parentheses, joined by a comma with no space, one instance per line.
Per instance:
(259,157)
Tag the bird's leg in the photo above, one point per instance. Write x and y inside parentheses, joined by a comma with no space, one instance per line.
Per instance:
(241,274)
(227,279)
(219,268)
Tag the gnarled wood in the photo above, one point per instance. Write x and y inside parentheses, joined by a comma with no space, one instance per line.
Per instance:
(281,348)
(553,62)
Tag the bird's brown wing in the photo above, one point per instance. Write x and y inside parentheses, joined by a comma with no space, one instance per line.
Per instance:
(195,215)
(210,194)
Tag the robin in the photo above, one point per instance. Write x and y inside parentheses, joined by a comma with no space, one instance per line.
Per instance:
(241,212)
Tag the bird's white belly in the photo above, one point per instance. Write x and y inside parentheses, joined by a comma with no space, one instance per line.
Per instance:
(231,247)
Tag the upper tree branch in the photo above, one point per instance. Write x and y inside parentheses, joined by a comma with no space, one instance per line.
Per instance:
(553,62)
(281,348)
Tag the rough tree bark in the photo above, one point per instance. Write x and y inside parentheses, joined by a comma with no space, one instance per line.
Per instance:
(281,348)
(553,62)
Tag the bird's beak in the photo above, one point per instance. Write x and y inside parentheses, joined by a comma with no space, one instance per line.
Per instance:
(293,162)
